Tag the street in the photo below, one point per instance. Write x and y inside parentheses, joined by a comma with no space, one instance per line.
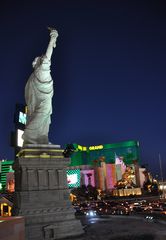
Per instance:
(121,228)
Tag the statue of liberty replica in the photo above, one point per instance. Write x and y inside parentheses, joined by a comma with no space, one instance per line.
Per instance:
(38,96)
(41,190)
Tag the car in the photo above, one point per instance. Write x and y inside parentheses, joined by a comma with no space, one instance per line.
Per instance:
(150,219)
(91,213)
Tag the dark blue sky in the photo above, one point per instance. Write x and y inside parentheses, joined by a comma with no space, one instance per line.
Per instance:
(108,69)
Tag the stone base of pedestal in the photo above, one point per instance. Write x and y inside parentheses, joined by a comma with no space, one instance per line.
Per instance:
(42,195)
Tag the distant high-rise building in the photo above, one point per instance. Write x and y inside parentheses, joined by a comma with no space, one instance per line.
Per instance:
(6,166)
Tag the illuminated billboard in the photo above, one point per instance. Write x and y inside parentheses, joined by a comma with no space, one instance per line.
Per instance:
(22,118)
(73,178)
(19,138)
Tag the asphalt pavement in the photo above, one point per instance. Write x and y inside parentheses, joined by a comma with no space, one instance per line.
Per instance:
(121,228)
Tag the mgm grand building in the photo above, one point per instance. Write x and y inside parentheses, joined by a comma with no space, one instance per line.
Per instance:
(105,166)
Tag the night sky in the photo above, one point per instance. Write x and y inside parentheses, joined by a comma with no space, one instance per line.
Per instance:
(108,69)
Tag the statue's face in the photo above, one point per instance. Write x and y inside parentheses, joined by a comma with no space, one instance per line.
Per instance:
(36,62)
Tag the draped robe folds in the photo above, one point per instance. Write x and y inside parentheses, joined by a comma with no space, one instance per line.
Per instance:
(38,97)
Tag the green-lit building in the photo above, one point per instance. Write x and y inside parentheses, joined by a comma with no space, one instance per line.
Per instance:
(103,165)
(99,162)
(92,155)
(5,168)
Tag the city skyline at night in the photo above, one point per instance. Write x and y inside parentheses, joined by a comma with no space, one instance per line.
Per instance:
(108,69)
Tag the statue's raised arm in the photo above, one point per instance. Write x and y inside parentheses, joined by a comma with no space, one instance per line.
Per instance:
(38,97)
(52,43)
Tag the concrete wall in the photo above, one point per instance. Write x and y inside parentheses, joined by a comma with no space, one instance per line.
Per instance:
(12,228)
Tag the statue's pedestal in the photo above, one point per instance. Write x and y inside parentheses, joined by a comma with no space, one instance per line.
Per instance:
(42,195)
